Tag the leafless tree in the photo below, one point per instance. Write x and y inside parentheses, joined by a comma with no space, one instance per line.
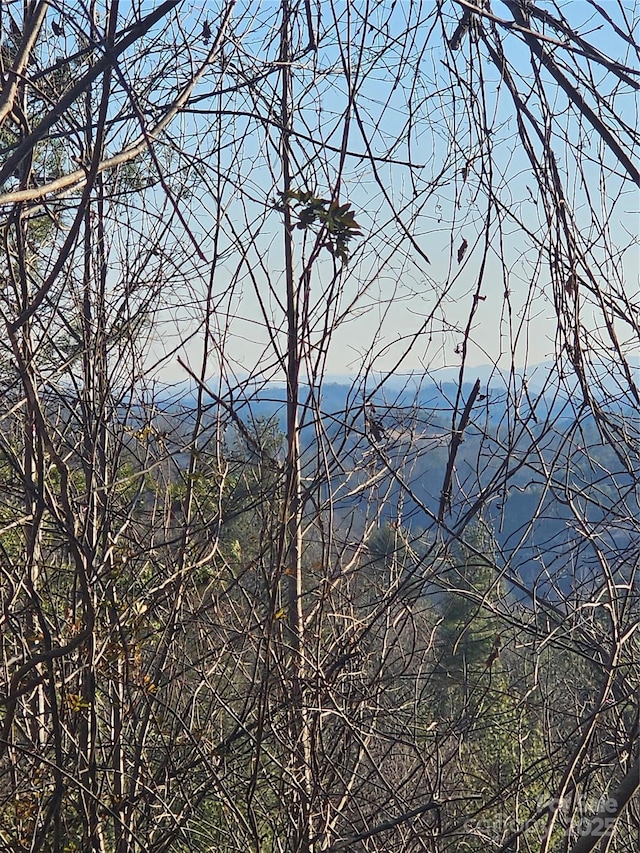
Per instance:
(403,621)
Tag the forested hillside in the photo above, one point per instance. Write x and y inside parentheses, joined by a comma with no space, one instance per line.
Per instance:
(319,427)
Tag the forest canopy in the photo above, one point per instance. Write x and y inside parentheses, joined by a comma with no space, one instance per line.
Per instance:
(319,426)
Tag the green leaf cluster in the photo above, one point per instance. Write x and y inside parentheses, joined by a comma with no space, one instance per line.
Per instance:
(337,219)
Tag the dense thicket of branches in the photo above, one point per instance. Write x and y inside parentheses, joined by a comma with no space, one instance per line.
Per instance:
(245,607)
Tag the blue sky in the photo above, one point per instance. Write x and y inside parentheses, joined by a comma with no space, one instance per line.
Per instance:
(405,314)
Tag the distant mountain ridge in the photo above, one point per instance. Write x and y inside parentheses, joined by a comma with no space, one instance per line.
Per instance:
(536,388)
